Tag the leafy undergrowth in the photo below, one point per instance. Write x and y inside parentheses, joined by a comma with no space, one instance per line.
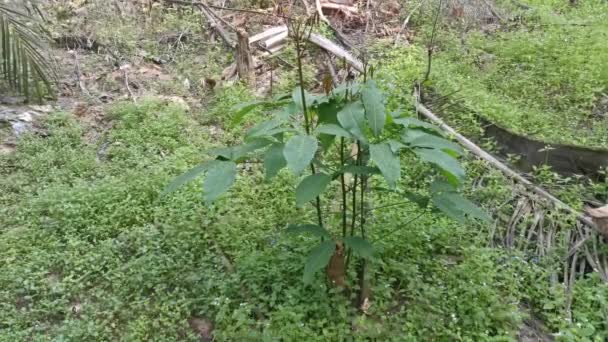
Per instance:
(542,74)
(88,251)
(403,66)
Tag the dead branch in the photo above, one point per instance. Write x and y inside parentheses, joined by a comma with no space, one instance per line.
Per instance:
(476,150)
(306,7)
(124,69)
(330,46)
(331,68)
(243,10)
(493,11)
(320,12)
(217,28)
(81,84)
(405,22)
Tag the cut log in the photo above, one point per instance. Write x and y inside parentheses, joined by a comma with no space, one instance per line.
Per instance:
(244,60)
(349,10)
(271,32)
(275,40)
(330,46)
(343,2)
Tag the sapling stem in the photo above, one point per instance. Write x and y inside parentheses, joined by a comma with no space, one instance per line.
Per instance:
(430,47)
(343,184)
(298,33)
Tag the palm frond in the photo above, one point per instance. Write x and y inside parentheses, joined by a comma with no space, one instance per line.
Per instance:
(23,66)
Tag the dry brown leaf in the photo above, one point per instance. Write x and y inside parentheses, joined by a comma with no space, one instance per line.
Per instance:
(335,269)
(203,327)
(154,72)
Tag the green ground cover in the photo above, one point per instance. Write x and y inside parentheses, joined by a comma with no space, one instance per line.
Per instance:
(88,251)
(544,73)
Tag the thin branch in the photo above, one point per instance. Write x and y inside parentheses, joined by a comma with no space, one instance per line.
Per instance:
(476,150)
(299,31)
(405,22)
(430,47)
(400,227)
(343,185)
(126,77)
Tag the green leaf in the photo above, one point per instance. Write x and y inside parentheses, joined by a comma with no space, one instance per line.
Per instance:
(352,118)
(413,122)
(328,112)
(274,160)
(285,113)
(387,162)
(236,153)
(308,228)
(220,176)
(263,128)
(444,161)
(425,140)
(395,145)
(311,187)
(317,259)
(24,58)
(299,152)
(184,178)
(341,90)
(374,107)
(243,109)
(332,129)
(311,100)
(360,246)
(456,206)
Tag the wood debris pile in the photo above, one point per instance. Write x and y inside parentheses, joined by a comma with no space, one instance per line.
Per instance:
(350,20)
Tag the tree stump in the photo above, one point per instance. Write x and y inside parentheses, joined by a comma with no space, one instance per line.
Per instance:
(244,61)
(600,217)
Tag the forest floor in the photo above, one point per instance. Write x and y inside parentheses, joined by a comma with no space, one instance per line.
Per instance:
(88,251)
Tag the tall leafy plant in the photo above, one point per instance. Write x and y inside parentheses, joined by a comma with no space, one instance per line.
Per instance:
(24,67)
(347,143)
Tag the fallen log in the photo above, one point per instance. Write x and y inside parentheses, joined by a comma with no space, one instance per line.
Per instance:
(479,152)
(216,27)
(265,35)
(330,46)
(275,40)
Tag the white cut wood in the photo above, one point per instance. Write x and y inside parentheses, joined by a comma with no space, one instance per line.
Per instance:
(273,31)
(343,2)
(275,40)
(330,46)
(320,12)
(351,10)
